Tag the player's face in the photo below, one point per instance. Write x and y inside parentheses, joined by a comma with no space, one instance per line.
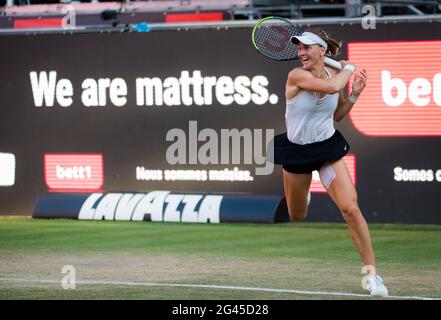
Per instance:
(309,55)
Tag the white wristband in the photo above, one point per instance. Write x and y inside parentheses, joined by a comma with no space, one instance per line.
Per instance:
(352,98)
(349,67)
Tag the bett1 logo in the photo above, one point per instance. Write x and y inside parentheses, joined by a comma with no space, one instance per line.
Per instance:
(73,172)
(403,94)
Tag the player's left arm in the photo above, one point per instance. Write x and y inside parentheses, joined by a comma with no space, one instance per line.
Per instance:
(345,103)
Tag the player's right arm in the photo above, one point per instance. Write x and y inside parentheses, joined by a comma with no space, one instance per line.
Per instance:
(304,79)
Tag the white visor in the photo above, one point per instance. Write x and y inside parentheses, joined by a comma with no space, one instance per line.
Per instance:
(309,38)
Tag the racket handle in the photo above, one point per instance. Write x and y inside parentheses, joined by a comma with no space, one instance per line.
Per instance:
(333,63)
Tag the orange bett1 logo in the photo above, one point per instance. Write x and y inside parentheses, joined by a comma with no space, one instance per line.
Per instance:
(73,172)
(403,93)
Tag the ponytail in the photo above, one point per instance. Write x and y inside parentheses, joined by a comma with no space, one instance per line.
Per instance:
(334,46)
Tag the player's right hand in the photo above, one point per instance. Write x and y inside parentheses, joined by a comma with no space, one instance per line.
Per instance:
(344,63)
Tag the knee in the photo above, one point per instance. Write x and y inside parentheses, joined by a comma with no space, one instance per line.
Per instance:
(297,208)
(350,211)
(298,215)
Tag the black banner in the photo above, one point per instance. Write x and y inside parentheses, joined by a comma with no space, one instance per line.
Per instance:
(162,206)
(166,110)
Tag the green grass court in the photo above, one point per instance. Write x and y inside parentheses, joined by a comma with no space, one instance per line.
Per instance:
(146,260)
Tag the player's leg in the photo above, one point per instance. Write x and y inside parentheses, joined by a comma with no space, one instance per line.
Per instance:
(343,193)
(296,193)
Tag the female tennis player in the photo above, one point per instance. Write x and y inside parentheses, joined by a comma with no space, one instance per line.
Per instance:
(314,100)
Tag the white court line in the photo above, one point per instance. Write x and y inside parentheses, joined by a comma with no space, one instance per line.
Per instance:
(148,284)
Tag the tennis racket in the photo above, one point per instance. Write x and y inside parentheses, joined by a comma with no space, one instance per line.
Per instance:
(272,37)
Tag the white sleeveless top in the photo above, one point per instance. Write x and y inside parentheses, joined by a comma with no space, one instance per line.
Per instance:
(310,119)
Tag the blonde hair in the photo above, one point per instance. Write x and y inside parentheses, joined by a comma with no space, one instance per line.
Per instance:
(334,46)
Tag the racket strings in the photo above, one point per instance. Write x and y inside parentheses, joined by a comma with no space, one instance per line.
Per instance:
(274,40)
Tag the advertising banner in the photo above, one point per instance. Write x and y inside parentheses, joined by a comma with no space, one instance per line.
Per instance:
(193,112)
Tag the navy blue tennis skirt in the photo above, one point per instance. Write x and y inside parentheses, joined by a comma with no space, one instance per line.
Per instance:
(297,158)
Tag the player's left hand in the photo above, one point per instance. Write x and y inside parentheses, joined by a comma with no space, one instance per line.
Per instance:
(360,80)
